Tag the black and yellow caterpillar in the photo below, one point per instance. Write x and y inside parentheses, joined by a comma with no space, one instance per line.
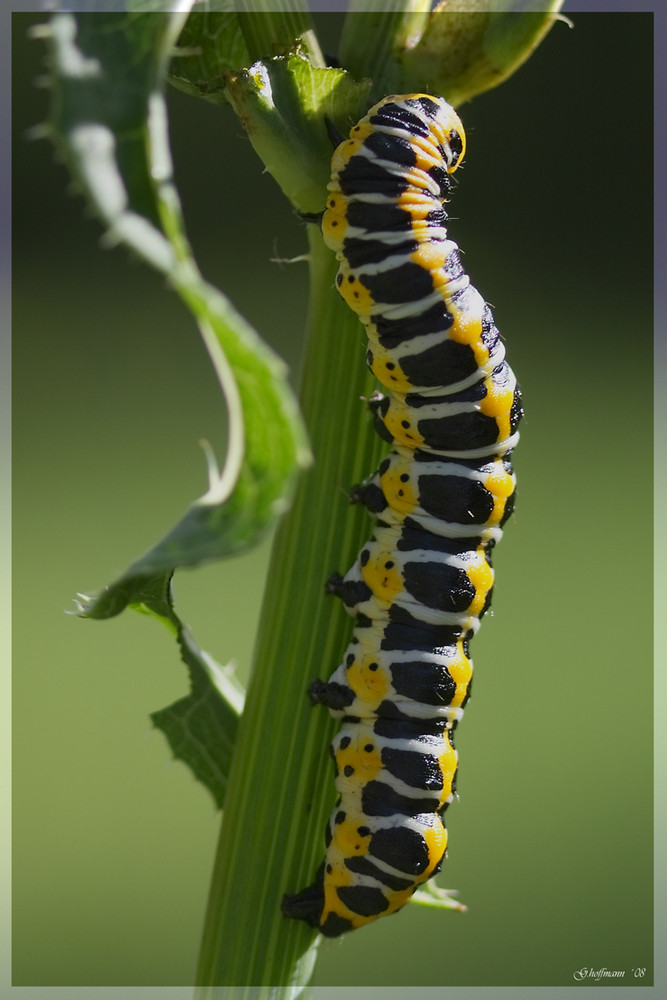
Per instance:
(420,586)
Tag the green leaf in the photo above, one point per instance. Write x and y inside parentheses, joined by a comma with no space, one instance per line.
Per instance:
(214,44)
(283,103)
(110,120)
(249,494)
(200,728)
(211,44)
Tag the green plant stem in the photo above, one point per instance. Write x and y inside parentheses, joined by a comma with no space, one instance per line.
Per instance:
(270,27)
(281,786)
(373,40)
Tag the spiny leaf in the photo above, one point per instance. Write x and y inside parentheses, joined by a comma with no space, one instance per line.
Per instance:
(110,120)
(200,728)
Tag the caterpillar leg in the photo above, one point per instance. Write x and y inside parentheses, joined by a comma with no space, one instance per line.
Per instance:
(314,217)
(369,494)
(351,592)
(335,696)
(333,133)
(308,904)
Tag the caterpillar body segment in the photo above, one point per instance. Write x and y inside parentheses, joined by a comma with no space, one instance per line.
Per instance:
(420,586)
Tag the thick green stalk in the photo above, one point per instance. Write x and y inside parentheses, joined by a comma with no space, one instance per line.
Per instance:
(373,40)
(281,787)
(271,26)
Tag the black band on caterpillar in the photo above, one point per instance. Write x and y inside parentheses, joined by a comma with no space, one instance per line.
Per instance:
(420,586)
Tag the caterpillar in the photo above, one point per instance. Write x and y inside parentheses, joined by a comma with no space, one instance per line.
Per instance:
(420,586)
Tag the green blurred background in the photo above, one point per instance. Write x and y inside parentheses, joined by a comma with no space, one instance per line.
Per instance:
(551,842)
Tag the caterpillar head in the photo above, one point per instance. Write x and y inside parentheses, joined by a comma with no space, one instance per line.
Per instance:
(444,126)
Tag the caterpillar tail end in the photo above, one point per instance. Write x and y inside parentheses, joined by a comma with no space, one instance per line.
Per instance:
(305,905)
(308,905)
(334,135)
